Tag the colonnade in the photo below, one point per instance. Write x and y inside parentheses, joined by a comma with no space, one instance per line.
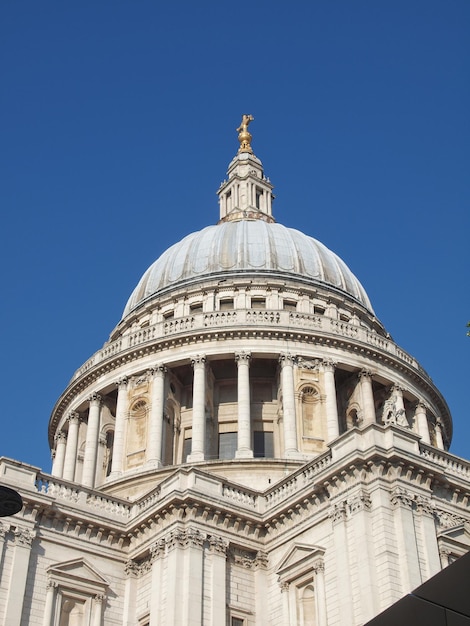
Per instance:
(66,452)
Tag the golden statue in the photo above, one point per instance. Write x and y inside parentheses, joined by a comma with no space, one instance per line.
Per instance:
(244,137)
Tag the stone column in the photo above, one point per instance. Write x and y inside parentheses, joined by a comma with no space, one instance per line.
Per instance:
(439,437)
(217,585)
(288,403)
(72,446)
(18,576)
(402,504)
(59,459)
(91,445)
(344,594)
(157,552)
(422,422)
(199,409)
(244,449)
(193,580)
(368,406)
(425,514)
(154,448)
(331,406)
(129,618)
(261,589)
(117,462)
(97,609)
(285,603)
(359,506)
(319,586)
(49,606)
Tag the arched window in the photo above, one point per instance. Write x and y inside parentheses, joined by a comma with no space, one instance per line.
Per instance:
(307,605)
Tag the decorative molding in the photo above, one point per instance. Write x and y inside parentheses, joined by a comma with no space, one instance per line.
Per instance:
(424,505)
(24,537)
(402,497)
(242,357)
(217,545)
(359,502)
(448,520)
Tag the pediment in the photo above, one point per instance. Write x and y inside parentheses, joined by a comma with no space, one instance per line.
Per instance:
(297,558)
(460,533)
(77,571)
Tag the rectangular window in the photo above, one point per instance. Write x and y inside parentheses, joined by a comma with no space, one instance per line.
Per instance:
(169,315)
(263,444)
(187,448)
(289,305)
(196,307)
(319,310)
(237,621)
(258,303)
(227,445)
(226,304)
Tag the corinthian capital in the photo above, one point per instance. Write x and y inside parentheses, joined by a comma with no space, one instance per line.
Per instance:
(198,360)
(73,417)
(286,358)
(242,357)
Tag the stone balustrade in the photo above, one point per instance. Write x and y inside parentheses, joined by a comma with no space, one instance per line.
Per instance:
(281,320)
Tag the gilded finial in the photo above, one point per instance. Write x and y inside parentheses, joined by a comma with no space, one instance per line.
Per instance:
(244,137)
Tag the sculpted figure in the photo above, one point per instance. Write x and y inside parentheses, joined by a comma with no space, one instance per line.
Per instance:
(246,119)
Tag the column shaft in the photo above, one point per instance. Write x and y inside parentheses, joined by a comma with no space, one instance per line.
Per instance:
(91,446)
(117,462)
(288,404)
(422,422)
(244,449)
(332,422)
(59,459)
(72,446)
(199,410)
(18,576)
(368,406)
(154,448)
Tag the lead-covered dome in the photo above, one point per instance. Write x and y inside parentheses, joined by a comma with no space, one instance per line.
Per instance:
(246,246)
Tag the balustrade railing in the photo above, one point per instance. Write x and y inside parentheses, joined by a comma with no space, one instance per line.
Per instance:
(252,317)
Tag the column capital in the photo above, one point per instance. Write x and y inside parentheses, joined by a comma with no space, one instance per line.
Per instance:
(286,358)
(396,388)
(318,566)
(158,370)
(365,375)
(242,357)
(217,545)
(328,365)
(198,360)
(402,497)
(94,398)
(121,382)
(74,417)
(60,437)
(24,537)
(421,406)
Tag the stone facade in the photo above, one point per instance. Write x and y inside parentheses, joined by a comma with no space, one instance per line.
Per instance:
(249,448)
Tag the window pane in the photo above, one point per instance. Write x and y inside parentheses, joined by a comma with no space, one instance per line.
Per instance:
(187,448)
(227,445)
(263,444)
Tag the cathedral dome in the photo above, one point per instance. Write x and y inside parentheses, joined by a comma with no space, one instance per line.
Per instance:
(247,247)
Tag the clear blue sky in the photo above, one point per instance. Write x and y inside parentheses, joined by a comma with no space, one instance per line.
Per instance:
(118,123)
